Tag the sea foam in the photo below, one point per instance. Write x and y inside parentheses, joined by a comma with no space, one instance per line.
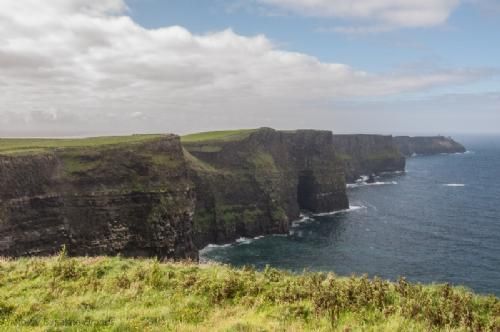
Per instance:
(211,247)
(246,240)
(363,184)
(240,241)
(350,209)
(303,219)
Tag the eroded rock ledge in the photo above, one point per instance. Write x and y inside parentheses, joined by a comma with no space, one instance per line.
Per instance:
(159,197)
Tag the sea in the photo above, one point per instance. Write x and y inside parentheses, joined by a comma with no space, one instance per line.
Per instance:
(437,222)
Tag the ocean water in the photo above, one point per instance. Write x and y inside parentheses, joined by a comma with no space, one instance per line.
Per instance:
(437,222)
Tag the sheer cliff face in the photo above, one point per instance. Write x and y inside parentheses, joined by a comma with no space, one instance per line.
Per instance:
(133,199)
(155,198)
(368,154)
(159,198)
(427,145)
(258,183)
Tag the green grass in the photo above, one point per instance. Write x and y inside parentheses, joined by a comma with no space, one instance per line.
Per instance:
(117,294)
(37,145)
(226,135)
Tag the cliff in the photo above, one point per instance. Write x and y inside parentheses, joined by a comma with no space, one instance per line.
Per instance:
(256,182)
(132,198)
(150,196)
(368,154)
(409,146)
(153,195)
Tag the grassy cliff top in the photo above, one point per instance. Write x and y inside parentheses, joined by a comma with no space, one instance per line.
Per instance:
(117,294)
(225,135)
(235,135)
(36,145)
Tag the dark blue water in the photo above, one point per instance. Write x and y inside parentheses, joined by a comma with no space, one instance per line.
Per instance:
(438,222)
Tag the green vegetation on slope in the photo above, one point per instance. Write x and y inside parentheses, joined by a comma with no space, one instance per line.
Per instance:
(384,155)
(116,294)
(226,135)
(34,145)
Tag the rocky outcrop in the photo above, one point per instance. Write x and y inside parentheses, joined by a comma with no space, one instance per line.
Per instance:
(368,154)
(133,199)
(409,146)
(258,183)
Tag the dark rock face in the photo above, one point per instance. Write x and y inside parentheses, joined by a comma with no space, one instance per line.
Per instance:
(258,184)
(135,200)
(427,145)
(368,154)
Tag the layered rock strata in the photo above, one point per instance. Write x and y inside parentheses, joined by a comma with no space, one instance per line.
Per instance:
(133,199)
(257,183)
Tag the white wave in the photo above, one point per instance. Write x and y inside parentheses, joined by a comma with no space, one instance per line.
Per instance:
(456,153)
(350,209)
(303,219)
(244,240)
(247,240)
(466,152)
(241,240)
(211,247)
(362,184)
(362,178)
(454,185)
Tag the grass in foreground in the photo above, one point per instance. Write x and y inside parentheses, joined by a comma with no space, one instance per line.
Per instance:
(116,294)
(34,145)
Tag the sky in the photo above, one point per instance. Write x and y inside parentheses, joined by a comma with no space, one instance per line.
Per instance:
(107,67)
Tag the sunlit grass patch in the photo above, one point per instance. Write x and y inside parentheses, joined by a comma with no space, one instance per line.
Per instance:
(225,135)
(118,294)
(38,145)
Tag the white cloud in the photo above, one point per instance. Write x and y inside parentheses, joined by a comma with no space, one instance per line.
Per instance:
(91,67)
(380,15)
